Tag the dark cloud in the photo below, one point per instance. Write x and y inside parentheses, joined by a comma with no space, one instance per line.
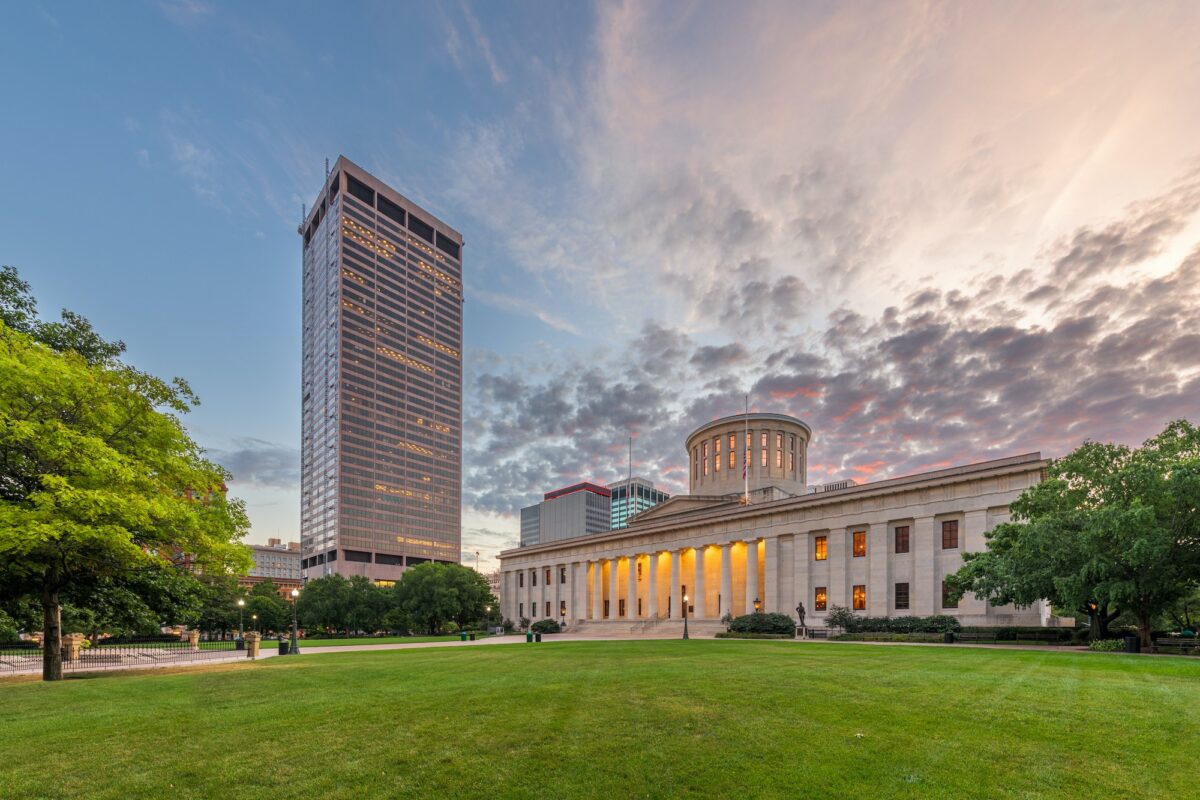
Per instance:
(261,463)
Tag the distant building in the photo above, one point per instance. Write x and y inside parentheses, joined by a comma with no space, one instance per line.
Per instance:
(276,562)
(493,579)
(577,510)
(630,497)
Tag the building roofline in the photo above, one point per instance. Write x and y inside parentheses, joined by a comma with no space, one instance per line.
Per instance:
(759,416)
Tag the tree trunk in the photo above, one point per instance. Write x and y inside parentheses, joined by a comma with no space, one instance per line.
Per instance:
(52,665)
(1143,626)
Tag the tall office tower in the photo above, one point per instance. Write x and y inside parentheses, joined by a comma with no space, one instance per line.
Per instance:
(633,496)
(381,456)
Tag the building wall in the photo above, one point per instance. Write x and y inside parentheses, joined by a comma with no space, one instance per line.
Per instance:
(531,525)
(769,551)
(781,463)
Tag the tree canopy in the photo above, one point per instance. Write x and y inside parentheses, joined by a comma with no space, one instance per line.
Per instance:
(1110,529)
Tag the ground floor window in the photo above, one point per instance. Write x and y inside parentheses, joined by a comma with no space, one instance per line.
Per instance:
(520,609)
(606,608)
(860,598)
(562,608)
(621,608)
(820,598)
(901,596)
(639,606)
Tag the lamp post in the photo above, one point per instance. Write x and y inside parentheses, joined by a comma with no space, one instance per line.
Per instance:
(685,604)
(241,608)
(562,625)
(295,649)
(757,605)
(254,622)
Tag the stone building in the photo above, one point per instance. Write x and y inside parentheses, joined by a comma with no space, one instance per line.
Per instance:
(881,548)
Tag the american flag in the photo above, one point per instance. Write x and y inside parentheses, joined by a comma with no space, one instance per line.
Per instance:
(745,462)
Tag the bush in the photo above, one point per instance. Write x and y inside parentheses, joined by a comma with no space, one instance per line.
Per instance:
(890,637)
(847,620)
(546,626)
(1012,632)
(749,635)
(1107,646)
(763,623)
(508,625)
(523,623)
(450,627)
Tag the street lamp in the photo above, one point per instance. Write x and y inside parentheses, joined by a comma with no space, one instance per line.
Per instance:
(254,622)
(685,604)
(241,606)
(757,605)
(295,650)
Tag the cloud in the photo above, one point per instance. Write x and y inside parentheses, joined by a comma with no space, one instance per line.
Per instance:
(525,306)
(186,13)
(261,463)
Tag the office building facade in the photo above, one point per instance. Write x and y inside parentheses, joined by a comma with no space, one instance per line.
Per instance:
(381,452)
(632,496)
(577,510)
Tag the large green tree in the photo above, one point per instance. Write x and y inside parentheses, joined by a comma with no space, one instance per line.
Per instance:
(433,594)
(98,478)
(274,613)
(1111,528)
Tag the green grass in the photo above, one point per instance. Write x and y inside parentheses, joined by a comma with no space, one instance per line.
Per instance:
(616,719)
(356,640)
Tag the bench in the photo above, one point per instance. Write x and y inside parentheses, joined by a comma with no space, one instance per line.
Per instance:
(1180,642)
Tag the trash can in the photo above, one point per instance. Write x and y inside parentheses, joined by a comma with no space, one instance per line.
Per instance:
(239,644)
(472,637)
(1133,644)
(537,636)
(283,647)
(462,637)
(529,636)
(948,637)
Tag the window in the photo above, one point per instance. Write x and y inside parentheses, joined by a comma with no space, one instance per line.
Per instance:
(704,452)
(901,596)
(901,534)
(639,570)
(606,608)
(779,451)
(447,246)
(762,448)
(562,574)
(717,452)
(639,606)
(533,575)
(947,600)
(520,580)
(391,210)
(732,453)
(695,462)
(547,608)
(549,580)
(821,548)
(860,544)
(421,228)
(520,609)
(360,190)
(949,534)
(820,598)
(860,597)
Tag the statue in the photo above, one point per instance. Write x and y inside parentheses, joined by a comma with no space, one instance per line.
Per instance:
(800,613)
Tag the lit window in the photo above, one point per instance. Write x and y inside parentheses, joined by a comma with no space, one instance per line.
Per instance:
(704,457)
(820,598)
(717,452)
(860,597)
(548,579)
(821,548)
(901,596)
(762,449)
(860,544)
(948,601)
(732,455)
(949,534)
(901,538)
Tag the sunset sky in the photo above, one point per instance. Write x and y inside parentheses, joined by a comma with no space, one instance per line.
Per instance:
(938,233)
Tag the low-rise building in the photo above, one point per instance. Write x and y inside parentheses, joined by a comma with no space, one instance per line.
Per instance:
(581,509)
(277,562)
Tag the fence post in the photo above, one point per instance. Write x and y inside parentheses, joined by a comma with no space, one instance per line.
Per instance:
(72,644)
(194,639)
(252,642)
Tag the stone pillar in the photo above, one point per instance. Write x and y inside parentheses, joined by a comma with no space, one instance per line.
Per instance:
(614,605)
(675,611)
(597,590)
(752,575)
(838,555)
(253,641)
(726,581)
(72,646)
(652,587)
(698,589)
(924,595)
(194,639)
(878,572)
(971,540)
(770,589)
(631,593)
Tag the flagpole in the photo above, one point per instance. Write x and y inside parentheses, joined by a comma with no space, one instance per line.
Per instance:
(746,457)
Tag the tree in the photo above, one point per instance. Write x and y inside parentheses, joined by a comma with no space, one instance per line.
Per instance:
(427,594)
(473,595)
(324,603)
(274,613)
(217,609)
(98,478)
(1110,528)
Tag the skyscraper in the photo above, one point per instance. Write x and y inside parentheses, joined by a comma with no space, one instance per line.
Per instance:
(577,510)
(633,496)
(381,454)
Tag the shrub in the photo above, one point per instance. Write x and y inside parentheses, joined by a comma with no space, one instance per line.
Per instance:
(763,623)
(523,623)
(1107,645)
(1012,632)
(751,635)
(889,637)
(508,625)
(847,620)
(450,627)
(546,626)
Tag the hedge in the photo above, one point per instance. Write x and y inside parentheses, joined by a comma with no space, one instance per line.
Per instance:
(546,626)
(847,620)
(746,635)
(1107,645)
(764,623)
(889,637)
(1011,631)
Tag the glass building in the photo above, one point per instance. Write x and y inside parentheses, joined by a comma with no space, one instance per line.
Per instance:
(381,450)
(632,496)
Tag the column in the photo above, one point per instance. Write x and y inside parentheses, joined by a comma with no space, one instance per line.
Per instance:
(597,590)
(559,591)
(578,609)
(839,567)
(652,587)
(676,557)
(726,580)
(770,589)
(971,540)
(879,587)
(802,586)
(924,596)
(752,575)
(697,593)
(614,605)
(631,592)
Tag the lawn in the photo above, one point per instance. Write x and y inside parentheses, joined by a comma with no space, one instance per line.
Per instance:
(358,640)
(616,719)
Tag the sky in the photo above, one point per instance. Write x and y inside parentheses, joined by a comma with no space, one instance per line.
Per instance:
(937,232)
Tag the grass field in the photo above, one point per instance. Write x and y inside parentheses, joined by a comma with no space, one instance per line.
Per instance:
(356,640)
(614,720)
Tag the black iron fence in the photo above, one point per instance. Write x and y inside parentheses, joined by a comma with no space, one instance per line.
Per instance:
(26,656)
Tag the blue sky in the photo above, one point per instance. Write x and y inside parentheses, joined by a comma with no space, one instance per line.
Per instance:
(938,233)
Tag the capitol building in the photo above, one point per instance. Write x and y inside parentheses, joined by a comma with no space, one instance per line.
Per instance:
(881,548)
